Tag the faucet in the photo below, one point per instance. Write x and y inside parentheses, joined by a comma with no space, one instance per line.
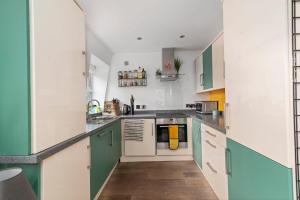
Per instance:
(89,106)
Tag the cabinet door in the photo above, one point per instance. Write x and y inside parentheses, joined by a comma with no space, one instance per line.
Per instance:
(199,73)
(57,65)
(14,79)
(218,69)
(254,176)
(197,146)
(145,147)
(102,159)
(207,69)
(117,149)
(257,78)
(66,175)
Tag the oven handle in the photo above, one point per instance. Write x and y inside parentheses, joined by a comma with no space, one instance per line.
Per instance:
(168,126)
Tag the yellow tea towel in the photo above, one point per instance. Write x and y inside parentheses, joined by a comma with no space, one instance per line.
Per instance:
(173,137)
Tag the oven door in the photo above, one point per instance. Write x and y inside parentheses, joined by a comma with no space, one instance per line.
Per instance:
(162,138)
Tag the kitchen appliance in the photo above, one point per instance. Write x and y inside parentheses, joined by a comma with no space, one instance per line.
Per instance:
(162,130)
(206,107)
(126,109)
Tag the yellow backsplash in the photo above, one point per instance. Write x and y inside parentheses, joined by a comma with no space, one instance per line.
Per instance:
(218,95)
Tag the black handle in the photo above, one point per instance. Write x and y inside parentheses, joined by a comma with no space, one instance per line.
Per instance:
(228,162)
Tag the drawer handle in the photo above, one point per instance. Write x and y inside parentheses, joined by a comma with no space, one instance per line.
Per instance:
(211,168)
(210,144)
(211,134)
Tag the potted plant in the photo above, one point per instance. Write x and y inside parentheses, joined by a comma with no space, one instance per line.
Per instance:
(177,64)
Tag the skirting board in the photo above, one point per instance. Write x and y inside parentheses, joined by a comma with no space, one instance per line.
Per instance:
(155,158)
(106,181)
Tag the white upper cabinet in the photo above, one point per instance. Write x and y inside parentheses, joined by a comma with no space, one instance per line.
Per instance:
(57,72)
(199,73)
(210,72)
(218,70)
(257,76)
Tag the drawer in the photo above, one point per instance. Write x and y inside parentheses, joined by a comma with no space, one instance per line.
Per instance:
(214,135)
(214,168)
(214,154)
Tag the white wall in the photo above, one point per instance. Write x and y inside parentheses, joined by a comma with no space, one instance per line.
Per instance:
(157,95)
(95,46)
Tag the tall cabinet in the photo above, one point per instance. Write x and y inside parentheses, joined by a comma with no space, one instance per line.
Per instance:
(42,81)
(258,117)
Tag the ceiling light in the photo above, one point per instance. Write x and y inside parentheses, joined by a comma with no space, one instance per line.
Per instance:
(182,36)
(139,38)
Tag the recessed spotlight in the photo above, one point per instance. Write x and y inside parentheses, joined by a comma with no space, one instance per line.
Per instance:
(139,38)
(182,36)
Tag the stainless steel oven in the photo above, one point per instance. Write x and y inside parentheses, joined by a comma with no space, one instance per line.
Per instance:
(162,131)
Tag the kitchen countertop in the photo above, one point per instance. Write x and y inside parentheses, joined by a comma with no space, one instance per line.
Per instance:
(214,122)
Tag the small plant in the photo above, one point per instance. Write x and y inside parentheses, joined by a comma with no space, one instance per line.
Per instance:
(158,72)
(177,64)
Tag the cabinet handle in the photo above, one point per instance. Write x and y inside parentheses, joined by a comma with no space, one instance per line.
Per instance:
(90,157)
(211,134)
(210,144)
(227,116)
(228,161)
(112,138)
(200,135)
(167,126)
(211,168)
(152,129)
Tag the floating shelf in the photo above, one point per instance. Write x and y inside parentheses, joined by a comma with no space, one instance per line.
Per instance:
(132,82)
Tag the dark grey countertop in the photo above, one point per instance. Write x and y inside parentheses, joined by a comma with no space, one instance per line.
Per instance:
(214,122)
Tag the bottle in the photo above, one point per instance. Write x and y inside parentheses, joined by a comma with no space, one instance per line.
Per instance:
(143,73)
(140,73)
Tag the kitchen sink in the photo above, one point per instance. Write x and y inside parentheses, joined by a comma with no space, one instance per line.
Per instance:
(99,119)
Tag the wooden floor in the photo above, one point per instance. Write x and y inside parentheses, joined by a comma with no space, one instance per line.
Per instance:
(157,181)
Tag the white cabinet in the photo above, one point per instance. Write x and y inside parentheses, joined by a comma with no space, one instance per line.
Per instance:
(199,74)
(141,148)
(257,77)
(218,69)
(66,175)
(213,148)
(57,71)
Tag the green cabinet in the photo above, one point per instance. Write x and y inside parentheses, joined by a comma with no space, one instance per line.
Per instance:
(207,69)
(197,147)
(33,174)
(14,78)
(254,176)
(105,153)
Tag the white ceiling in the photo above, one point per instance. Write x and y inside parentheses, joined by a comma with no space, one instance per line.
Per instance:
(160,22)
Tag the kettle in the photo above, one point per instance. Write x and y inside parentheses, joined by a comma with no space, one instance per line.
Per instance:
(126,109)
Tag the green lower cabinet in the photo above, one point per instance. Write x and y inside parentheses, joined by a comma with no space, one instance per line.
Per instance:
(207,69)
(33,174)
(254,176)
(106,152)
(197,146)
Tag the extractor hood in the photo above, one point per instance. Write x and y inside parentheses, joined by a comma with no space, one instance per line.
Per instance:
(168,70)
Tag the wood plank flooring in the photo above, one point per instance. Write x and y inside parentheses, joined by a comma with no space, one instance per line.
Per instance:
(157,181)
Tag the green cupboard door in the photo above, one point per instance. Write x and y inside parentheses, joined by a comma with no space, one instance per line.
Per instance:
(207,68)
(254,176)
(101,160)
(117,141)
(197,147)
(14,78)
(33,174)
